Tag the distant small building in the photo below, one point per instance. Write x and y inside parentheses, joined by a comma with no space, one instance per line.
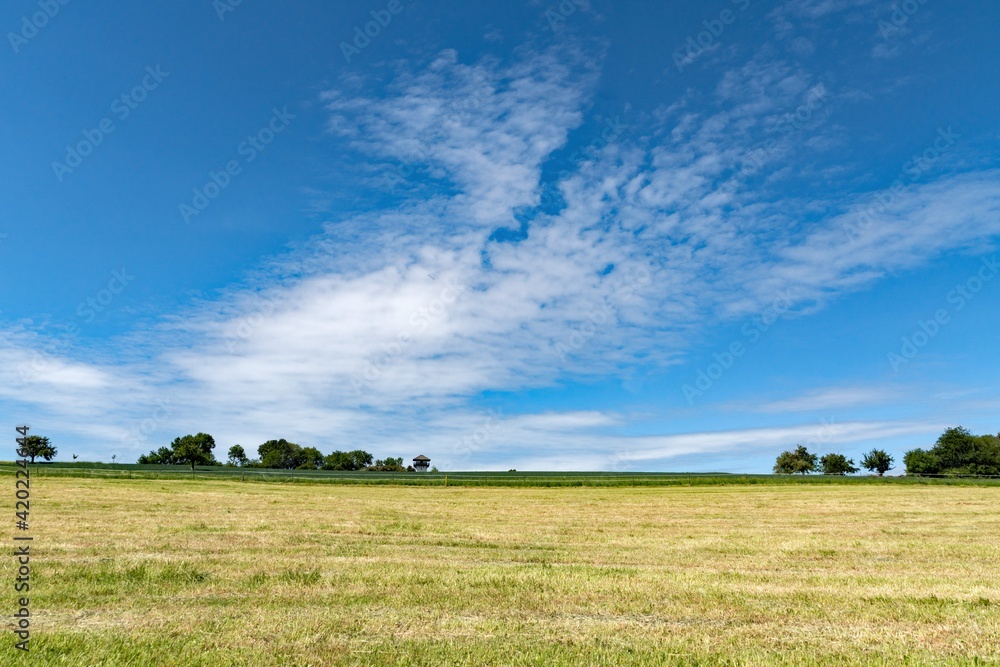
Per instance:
(421,463)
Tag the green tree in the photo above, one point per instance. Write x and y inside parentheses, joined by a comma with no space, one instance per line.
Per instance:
(921,462)
(36,445)
(955,448)
(799,461)
(985,456)
(281,454)
(237,456)
(388,464)
(312,459)
(194,449)
(837,464)
(162,456)
(361,458)
(338,460)
(878,461)
(957,452)
(355,460)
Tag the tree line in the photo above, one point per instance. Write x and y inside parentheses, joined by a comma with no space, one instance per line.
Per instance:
(801,461)
(956,452)
(274,454)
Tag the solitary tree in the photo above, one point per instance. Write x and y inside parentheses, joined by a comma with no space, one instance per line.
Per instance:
(799,461)
(36,445)
(837,464)
(194,449)
(878,461)
(237,456)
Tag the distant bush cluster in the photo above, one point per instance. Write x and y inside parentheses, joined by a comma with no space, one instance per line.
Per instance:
(274,454)
(957,452)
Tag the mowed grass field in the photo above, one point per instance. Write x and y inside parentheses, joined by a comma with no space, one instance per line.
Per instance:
(183,573)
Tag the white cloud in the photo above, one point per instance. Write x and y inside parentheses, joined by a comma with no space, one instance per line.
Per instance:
(383,329)
(769,439)
(831,399)
(486,128)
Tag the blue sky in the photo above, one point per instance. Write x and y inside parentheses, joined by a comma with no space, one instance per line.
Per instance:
(577,235)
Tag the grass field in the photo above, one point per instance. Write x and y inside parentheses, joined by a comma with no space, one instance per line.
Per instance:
(206,572)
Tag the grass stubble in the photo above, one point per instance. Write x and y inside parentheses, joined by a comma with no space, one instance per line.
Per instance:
(172,573)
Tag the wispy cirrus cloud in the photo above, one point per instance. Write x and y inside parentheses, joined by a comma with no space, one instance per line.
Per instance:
(388,325)
(831,399)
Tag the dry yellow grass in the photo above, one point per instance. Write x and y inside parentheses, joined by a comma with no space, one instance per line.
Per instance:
(208,573)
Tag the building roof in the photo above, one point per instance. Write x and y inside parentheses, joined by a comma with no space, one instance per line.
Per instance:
(421,458)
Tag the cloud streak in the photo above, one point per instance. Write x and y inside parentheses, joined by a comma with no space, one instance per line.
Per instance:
(388,326)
